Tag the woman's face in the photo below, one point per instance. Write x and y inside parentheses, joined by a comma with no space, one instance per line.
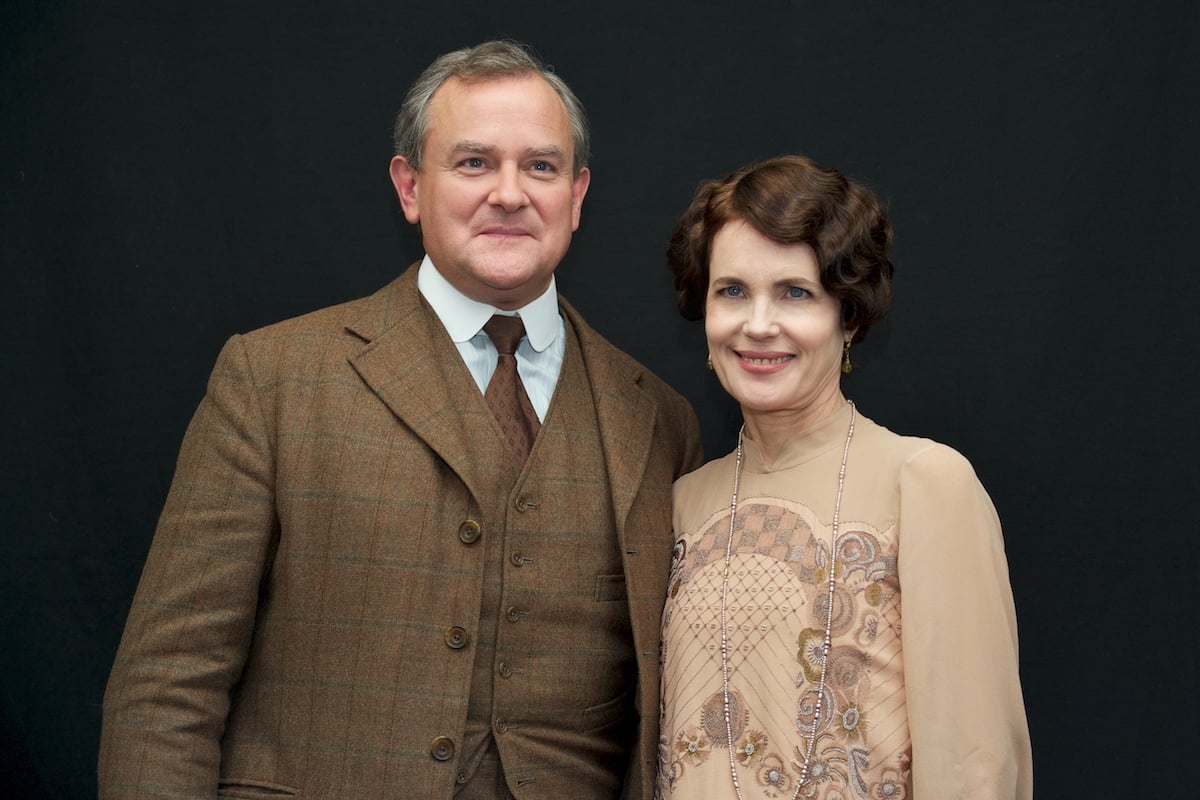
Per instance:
(774,334)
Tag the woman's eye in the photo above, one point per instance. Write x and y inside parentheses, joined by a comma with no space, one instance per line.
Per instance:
(796,293)
(731,291)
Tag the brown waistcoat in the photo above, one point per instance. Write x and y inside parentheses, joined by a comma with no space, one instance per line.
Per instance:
(554,660)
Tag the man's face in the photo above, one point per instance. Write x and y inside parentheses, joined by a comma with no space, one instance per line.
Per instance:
(496,197)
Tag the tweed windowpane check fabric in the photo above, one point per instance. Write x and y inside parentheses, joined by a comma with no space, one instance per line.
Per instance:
(505,394)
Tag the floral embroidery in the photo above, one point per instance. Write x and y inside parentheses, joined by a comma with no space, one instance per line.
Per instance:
(678,555)
(773,776)
(843,610)
(827,765)
(753,744)
(712,718)
(858,762)
(848,666)
(693,744)
(853,723)
(856,550)
(890,786)
(807,721)
(869,629)
(669,771)
(810,652)
(779,597)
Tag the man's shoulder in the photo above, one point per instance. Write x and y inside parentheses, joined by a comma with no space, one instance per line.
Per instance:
(600,352)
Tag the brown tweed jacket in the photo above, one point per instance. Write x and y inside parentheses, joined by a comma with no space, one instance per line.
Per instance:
(286,638)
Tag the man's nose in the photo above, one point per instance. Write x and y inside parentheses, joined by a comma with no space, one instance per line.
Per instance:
(508,191)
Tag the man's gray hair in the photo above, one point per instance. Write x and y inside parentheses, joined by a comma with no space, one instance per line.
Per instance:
(487,61)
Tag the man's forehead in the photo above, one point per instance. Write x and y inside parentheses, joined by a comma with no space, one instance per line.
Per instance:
(527,88)
(447,101)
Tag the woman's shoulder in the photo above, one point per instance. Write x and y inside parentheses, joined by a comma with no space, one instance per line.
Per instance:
(917,456)
(717,470)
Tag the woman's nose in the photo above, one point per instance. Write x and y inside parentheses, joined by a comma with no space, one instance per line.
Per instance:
(760,320)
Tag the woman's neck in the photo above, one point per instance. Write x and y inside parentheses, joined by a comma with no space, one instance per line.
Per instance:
(771,430)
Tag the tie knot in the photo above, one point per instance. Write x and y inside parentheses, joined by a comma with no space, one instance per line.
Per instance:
(505,333)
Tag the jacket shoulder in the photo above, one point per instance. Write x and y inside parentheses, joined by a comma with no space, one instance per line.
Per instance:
(599,350)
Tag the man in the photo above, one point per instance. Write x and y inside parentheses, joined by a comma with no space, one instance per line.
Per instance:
(365,582)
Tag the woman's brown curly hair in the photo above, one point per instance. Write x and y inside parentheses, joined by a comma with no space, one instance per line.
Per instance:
(792,200)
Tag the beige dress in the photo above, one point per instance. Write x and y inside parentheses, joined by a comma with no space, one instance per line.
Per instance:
(930,709)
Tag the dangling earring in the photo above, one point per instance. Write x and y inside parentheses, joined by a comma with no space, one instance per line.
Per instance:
(847,367)
(709,363)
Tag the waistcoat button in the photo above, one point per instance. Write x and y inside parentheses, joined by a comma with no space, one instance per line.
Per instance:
(501,726)
(468,532)
(456,637)
(442,748)
(513,614)
(505,670)
(518,559)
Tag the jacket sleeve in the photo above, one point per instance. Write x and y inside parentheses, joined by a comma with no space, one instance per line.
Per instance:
(693,448)
(189,628)
(965,710)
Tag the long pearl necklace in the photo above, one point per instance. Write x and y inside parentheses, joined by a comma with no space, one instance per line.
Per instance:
(833,538)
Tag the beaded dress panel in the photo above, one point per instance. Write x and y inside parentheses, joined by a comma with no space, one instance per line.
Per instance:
(777,612)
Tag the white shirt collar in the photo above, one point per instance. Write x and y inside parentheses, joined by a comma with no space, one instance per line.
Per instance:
(463,317)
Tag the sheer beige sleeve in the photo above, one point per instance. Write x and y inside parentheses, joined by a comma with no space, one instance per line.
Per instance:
(966,715)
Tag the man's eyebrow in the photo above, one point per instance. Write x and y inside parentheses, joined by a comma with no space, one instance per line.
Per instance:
(546,151)
(468,146)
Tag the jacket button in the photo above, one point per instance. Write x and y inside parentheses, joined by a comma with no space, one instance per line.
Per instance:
(442,748)
(468,532)
(456,637)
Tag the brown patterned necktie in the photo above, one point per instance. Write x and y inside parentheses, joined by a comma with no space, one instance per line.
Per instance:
(505,393)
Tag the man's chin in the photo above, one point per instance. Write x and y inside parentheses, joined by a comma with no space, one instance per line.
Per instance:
(511,269)
(508,286)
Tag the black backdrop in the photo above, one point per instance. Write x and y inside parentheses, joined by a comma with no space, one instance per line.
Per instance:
(174,173)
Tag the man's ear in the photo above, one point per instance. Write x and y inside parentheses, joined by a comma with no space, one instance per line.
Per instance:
(579,188)
(404,178)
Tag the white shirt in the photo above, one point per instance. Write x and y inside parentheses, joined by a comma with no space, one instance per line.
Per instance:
(540,353)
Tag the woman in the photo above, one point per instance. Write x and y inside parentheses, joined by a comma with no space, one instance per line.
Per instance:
(839,621)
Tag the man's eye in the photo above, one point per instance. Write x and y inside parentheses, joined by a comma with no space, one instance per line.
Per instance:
(542,166)
(473,163)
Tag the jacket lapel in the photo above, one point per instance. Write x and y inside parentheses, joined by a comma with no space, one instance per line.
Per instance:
(407,363)
(624,413)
